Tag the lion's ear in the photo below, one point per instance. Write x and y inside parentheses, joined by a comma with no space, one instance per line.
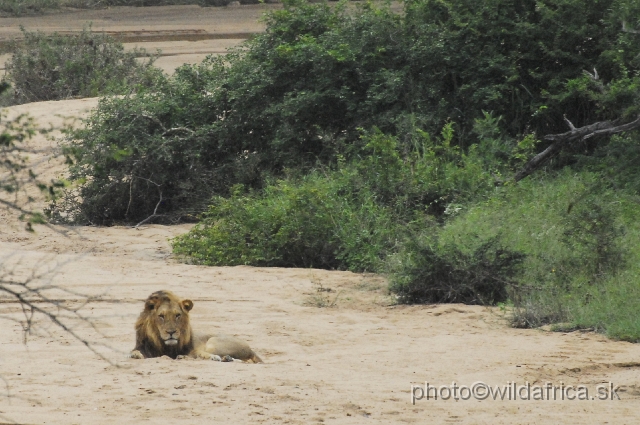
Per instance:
(187,305)
(151,303)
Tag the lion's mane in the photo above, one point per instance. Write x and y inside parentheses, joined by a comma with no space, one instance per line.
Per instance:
(148,340)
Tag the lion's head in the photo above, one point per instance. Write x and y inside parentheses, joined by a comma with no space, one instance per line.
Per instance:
(163,327)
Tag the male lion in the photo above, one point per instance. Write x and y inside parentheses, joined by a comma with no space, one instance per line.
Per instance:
(163,329)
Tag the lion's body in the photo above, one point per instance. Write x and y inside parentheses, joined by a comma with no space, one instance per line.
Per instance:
(163,329)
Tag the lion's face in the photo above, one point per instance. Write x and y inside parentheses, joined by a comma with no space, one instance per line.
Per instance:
(170,316)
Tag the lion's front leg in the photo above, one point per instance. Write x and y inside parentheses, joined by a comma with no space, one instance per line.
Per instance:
(136,354)
(201,354)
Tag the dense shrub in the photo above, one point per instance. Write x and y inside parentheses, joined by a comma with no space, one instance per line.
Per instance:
(153,149)
(617,163)
(611,308)
(524,60)
(54,67)
(297,95)
(349,218)
(426,271)
(141,3)
(579,244)
(26,7)
(314,222)
(419,173)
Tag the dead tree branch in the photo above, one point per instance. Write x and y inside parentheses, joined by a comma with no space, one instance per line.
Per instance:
(155,211)
(602,128)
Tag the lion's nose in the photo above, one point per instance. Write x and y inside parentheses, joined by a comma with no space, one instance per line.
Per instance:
(171,333)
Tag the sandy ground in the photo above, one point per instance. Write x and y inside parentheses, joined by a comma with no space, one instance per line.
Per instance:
(345,356)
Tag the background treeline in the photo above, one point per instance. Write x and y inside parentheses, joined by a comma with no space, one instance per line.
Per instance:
(353,137)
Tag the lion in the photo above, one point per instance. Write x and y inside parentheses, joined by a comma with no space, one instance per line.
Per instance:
(163,329)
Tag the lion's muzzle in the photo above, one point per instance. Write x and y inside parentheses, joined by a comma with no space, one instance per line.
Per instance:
(172,338)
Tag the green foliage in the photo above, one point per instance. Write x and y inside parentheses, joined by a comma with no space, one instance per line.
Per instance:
(579,244)
(332,69)
(297,95)
(350,218)
(617,163)
(54,67)
(26,7)
(525,60)
(421,174)
(611,308)
(152,151)
(428,271)
(317,222)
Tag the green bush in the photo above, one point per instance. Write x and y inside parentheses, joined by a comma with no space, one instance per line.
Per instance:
(155,151)
(579,243)
(54,67)
(297,95)
(617,163)
(151,151)
(349,218)
(318,221)
(525,60)
(428,271)
(612,308)
(421,173)
(26,7)
(109,3)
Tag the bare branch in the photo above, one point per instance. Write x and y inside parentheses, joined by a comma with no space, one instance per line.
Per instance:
(32,294)
(594,76)
(602,128)
(579,133)
(613,130)
(569,123)
(178,129)
(155,211)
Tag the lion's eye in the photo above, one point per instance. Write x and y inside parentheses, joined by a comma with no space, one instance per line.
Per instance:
(161,316)
(177,316)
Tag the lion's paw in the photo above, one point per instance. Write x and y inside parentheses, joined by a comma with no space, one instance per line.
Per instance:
(216,358)
(135,354)
(227,358)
